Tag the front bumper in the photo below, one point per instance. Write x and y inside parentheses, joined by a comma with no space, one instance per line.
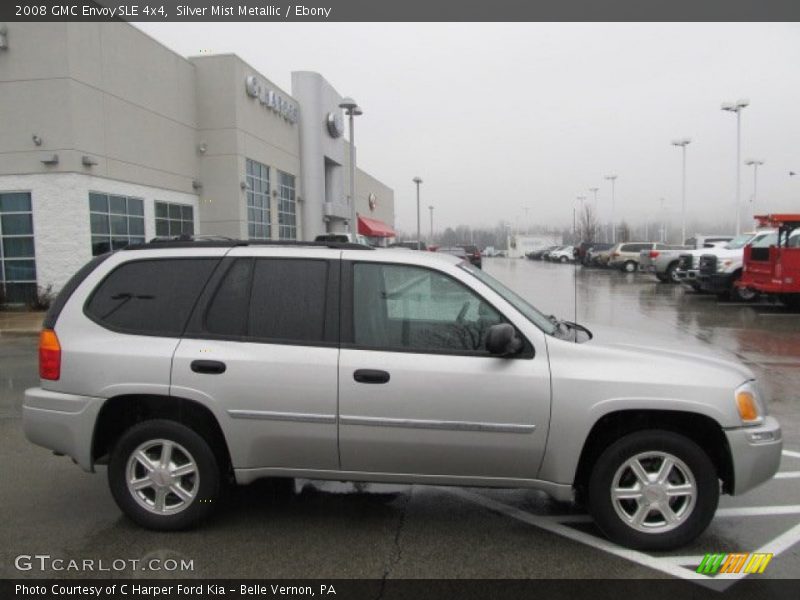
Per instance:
(756,454)
(61,422)
(716,283)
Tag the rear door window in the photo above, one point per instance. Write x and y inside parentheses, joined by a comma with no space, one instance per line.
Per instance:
(150,297)
(273,300)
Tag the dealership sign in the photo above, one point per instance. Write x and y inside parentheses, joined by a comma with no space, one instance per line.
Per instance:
(270,98)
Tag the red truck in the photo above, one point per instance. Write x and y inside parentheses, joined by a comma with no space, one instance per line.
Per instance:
(775,270)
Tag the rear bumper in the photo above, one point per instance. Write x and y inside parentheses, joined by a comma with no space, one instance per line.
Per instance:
(60,422)
(756,454)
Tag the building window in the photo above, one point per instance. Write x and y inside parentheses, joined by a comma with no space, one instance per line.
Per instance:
(117,221)
(258,190)
(174,219)
(17,258)
(287,207)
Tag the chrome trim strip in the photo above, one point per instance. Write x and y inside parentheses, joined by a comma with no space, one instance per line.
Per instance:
(269,415)
(431,424)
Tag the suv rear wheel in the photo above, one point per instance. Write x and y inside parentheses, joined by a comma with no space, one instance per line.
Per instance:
(629,266)
(653,490)
(163,475)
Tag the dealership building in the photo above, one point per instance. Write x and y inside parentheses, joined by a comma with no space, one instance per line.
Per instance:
(108,138)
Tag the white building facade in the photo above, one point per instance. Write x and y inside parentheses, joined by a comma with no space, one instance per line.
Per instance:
(107,138)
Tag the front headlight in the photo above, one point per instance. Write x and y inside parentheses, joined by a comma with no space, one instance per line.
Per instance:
(723,265)
(748,404)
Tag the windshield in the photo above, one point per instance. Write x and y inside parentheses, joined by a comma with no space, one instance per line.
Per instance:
(530,313)
(764,240)
(739,241)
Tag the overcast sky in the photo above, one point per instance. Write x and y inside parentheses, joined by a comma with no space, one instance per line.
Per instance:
(495,117)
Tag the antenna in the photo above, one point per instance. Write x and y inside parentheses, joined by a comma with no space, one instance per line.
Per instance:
(575,272)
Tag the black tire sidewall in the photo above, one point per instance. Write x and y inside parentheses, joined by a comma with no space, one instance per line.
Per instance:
(210,481)
(698,462)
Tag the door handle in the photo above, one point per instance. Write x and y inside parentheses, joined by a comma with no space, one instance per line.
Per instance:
(371,376)
(211,367)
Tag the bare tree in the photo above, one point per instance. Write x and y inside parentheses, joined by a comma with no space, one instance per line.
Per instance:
(588,225)
(624,232)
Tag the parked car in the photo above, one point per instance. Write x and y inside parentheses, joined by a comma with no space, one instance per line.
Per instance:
(582,251)
(663,262)
(688,268)
(719,269)
(541,253)
(404,367)
(592,253)
(774,269)
(410,245)
(338,237)
(600,255)
(455,251)
(564,254)
(474,254)
(625,256)
(707,240)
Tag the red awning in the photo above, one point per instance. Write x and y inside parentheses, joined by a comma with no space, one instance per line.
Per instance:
(374,228)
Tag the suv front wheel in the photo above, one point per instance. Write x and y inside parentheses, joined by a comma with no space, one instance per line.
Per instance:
(163,475)
(653,490)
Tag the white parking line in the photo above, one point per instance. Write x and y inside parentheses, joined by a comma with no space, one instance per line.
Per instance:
(759,511)
(787,475)
(553,526)
(791,453)
(682,567)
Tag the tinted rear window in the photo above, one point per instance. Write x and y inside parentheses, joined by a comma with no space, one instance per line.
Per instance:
(150,297)
(271,299)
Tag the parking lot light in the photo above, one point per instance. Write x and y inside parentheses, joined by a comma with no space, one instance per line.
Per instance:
(755,163)
(683,142)
(613,180)
(418,180)
(736,107)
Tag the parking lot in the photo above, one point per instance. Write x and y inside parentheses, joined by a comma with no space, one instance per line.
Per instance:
(338,530)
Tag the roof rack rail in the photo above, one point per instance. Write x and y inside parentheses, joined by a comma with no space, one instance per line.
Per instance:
(211,241)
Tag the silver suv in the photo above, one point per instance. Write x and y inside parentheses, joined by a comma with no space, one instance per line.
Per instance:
(185,366)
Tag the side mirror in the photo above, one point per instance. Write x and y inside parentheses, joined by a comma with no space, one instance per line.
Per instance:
(502,340)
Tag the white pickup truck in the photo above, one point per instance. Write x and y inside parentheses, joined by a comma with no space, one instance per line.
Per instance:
(720,268)
(664,262)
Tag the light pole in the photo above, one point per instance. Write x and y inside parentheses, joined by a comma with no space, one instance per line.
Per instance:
(430,208)
(418,180)
(736,107)
(613,180)
(755,163)
(683,143)
(351,109)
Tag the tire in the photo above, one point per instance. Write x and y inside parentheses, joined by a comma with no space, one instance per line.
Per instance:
(629,267)
(739,294)
(563,259)
(692,468)
(199,488)
(672,273)
(662,278)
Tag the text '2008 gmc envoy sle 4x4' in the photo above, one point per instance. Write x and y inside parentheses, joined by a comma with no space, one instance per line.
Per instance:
(187,365)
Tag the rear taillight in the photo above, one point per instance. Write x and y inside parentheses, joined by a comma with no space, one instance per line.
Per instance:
(654,253)
(49,355)
(615,254)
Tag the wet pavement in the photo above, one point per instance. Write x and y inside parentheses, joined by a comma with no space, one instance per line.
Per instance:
(340,530)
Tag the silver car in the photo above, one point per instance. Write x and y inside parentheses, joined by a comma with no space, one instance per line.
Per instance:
(187,366)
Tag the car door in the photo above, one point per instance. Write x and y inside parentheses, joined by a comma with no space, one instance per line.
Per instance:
(261,351)
(419,394)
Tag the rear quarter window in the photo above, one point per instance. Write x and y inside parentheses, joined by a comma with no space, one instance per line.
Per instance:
(150,297)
